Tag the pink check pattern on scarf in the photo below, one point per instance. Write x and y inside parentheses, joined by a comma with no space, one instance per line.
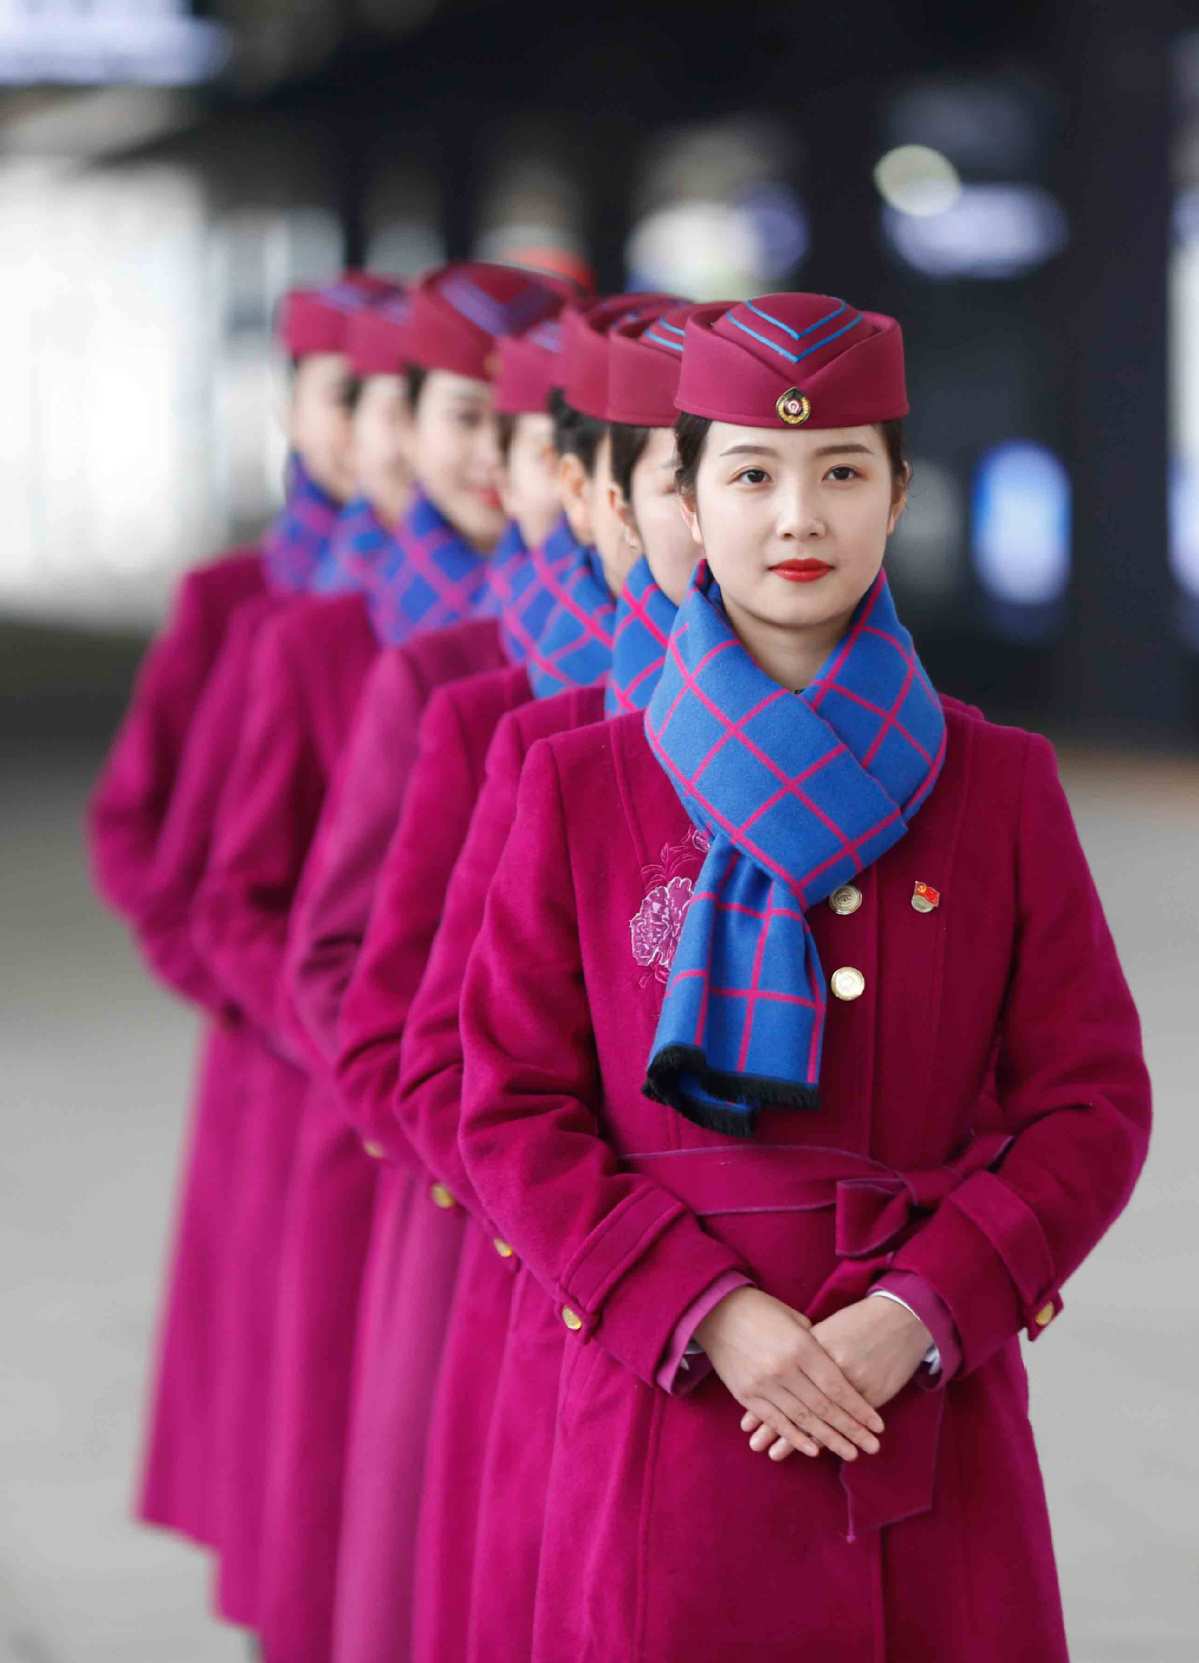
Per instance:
(797,793)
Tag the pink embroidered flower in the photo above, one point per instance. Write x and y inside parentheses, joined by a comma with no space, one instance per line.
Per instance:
(655,930)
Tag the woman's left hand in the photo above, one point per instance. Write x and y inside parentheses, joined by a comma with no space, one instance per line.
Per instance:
(877,1344)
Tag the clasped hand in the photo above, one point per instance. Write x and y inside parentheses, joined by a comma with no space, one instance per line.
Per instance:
(810,1386)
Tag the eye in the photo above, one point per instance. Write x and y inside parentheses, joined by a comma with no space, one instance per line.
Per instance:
(750,476)
(843,471)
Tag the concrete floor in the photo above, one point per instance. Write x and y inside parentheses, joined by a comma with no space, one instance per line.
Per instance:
(93,1084)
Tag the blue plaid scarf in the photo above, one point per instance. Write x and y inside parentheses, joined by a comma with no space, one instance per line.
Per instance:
(573,647)
(296,547)
(431,578)
(507,560)
(796,793)
(528,598)
(644,619)
(359,546)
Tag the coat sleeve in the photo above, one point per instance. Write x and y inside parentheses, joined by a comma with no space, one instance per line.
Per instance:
(623,1259)
(264,827)
(330,919)
(428,1101)
(1073,1092)
(181,855)
(408,902)
(130,798)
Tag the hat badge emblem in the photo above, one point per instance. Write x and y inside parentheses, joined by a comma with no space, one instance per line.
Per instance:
(793,407)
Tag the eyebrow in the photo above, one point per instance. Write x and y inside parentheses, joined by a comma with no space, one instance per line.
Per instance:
(824,450)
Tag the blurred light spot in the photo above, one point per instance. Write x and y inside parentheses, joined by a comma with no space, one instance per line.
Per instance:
(405,246)
(925,548)
(991,231)
(913,179)
(156,42)
(1021,515)
(779,226)
(703,247)
(1184,523)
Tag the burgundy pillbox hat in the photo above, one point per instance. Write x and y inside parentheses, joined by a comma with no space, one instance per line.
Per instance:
(377,339)
(645,357)
(792,360)
(530,369)
(585,331)
(459,311)
(318,319)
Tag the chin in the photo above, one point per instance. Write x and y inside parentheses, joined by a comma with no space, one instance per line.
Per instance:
(483,526)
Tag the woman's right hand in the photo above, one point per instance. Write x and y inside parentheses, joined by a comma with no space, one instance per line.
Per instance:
(768,1360)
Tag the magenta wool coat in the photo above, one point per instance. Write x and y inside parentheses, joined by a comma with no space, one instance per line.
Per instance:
(185,1468)
(286,1413)
(664,1536)
(480,1525)
(413,1263)
(331,1199)
(128,815)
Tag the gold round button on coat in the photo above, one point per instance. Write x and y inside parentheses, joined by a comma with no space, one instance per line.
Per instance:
(846,899)
(503,1248)
(376,1151)
(441,1197)
(847,983)
(572,1319)
(1044,1315)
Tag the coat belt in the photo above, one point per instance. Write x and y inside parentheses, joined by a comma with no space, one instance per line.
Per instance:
(875,1209)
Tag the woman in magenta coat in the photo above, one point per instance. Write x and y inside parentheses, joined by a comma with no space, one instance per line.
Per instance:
(711,1164)
(554,612)
(309,670)
(485,1488)
(135,825)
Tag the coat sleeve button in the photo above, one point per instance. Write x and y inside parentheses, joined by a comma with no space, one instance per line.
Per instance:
(572,1319)
(441,1197)
(503,1248)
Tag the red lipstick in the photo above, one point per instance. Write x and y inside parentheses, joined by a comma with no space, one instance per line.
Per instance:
(801,571)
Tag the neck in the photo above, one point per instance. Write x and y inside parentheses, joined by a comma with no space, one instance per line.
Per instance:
(788,654)
(391,506)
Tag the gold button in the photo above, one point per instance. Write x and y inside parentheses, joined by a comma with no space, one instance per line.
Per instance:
(1044,1315)
(503,1248)
(848,983)
(376,1151)
(572,1319)
(441,1197)
(845,900)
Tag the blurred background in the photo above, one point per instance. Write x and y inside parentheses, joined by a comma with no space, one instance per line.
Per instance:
(1018,183)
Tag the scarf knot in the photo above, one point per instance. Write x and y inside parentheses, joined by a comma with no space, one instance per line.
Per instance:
(797,794)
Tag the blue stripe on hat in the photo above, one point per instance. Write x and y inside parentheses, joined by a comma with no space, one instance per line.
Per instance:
(796,357)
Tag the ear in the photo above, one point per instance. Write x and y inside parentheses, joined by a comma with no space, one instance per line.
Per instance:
(574,488)
(899,497)
(624,513)
(690,513)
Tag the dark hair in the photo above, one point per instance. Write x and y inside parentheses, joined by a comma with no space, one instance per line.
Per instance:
(505,429)
(415,376)
(628,447)
(574,433)
(691,432)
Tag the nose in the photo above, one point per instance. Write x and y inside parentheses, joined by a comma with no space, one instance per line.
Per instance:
(799,519)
